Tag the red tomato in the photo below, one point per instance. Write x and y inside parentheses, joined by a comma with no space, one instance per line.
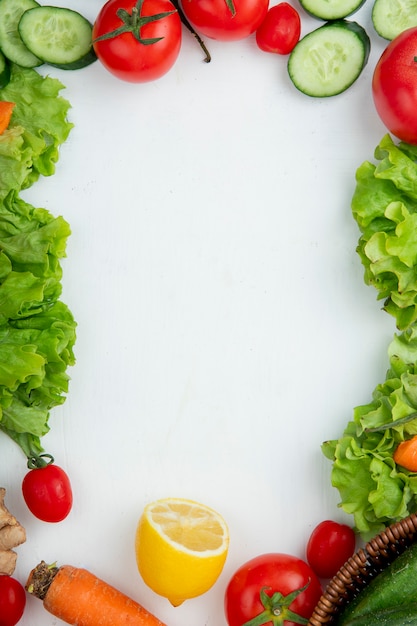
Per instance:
(394,86)
(226,20)
(271,585)
(148,49)
(280,30)
(47,493)
(12,601)
(329,547)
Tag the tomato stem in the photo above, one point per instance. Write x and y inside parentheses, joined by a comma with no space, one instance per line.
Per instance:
(277,609)
(133,22)
(37,461)
(192,31)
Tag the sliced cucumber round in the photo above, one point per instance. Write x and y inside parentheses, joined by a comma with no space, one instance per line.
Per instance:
(11,43)
(60,37)
(4,71)
(391,17)
(329,59)
(331,9)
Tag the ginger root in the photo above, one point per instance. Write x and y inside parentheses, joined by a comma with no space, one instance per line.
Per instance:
(12,534)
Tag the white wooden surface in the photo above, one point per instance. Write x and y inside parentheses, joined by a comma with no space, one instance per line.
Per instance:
(224,328)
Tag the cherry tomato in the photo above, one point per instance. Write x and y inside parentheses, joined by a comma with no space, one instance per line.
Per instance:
(148,48)
(12,600)
(280,30)
(255,589)
(225,20)
(394,86)
(47,493)
(329,547)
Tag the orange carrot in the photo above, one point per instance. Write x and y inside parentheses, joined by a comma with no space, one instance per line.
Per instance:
(78,597)
(6,110)
(406,454)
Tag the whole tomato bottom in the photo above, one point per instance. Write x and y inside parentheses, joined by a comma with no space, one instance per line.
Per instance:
(280,30)
(47,492)
(279,587)
(148,48)
(330,545)
(12,600)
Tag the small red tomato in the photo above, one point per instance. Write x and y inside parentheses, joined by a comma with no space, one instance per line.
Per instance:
(280,30)
(47,493)
(12,600)
(270,589)
(394,86)
(329,547)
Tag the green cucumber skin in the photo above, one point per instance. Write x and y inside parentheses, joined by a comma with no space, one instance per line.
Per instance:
(4,71)
(395,586)
(306,4)
(403,616)
(86,60)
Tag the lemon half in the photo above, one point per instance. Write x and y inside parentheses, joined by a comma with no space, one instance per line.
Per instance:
(181,547)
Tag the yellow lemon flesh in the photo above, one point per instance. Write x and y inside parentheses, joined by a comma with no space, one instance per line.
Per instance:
(181,547)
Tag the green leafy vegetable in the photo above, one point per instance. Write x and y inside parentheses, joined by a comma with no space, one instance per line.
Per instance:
(37,330)
(385,207)
(372,488)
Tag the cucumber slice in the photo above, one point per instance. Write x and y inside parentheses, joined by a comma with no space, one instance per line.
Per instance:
(10,42)
(331,9)
(60,37)
(329,59)
(391,17)
(4,71)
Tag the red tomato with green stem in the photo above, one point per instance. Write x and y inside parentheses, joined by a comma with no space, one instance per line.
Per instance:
(137,41)
(12,600)
(280,30)
(330,545)
(47,489)
(273,589)
(225,20)
(394,86)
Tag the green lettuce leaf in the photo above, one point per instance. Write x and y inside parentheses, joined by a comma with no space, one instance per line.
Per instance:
(384,206)
(37,330)
(39,125)
(372,488)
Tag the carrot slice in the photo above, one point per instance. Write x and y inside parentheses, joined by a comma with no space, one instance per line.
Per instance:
(6,110)
(78,597)
(406,454)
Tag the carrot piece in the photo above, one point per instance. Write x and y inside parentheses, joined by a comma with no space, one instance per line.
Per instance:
(406,454)
(6,110)
(78,597)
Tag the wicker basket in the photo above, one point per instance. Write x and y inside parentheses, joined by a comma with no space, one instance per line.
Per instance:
(364,565)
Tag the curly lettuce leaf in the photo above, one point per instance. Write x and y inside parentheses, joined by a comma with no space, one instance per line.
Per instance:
(372,487)
(37,330)
(38,127)
(384,206)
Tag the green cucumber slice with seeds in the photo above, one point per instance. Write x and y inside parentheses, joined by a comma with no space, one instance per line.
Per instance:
(60,37)
(391,17)
(4,71)
(331,9)
(11,43)
(328,60)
